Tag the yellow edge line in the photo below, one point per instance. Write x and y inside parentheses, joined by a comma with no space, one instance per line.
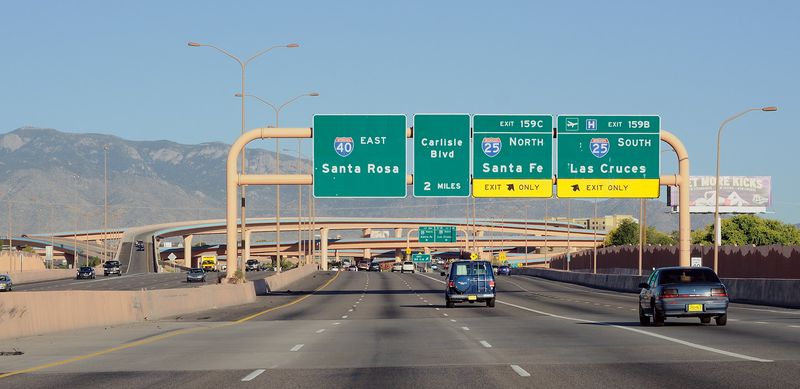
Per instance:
(160,337)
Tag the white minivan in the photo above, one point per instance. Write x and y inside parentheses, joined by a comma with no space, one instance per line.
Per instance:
(407,266)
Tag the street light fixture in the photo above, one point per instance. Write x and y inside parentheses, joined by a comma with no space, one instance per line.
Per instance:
(243,65)
(717,232)
(278,168)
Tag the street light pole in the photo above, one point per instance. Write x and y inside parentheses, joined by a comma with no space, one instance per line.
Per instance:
(278,168)
(243,65)
(717,233)
(105,203)
(75,232)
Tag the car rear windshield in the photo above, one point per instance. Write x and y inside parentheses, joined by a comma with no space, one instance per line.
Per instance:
(112,263)
(86,269)
(687,276)
(471,269)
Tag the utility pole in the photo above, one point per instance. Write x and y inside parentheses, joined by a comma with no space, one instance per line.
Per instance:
(105,203)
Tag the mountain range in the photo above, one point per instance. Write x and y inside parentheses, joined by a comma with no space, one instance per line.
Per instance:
(54,181)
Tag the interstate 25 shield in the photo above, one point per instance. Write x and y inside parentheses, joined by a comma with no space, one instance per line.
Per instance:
(343,146)
(491,146)
(599,147)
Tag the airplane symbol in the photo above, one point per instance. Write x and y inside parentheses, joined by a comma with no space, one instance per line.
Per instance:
(572,124)
(510,187)
(576,188)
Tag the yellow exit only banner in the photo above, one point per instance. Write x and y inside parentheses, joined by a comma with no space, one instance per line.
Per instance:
(512,188)
(607,188)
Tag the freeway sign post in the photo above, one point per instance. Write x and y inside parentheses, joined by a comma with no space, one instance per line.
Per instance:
(441,155)
(438,234)
(359,156)
(420,258)
(613,156)
(512,156)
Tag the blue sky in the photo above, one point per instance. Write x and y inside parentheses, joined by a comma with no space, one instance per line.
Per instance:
(124,68)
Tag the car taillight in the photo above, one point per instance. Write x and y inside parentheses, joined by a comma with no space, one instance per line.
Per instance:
(491,283)
(451,284)
(669,293)
(719,292)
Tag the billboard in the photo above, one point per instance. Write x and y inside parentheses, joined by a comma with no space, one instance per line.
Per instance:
(737,194)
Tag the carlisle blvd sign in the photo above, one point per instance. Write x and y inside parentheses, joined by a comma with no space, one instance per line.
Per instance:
(598,156)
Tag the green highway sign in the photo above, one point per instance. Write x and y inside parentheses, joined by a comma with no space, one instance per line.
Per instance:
(441,155)
(512,156)
(359,156)
(613,156)
(420,258)
(437,234)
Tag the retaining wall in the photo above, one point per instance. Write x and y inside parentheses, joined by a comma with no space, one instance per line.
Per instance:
(42,275)
(764,291)
(281,280)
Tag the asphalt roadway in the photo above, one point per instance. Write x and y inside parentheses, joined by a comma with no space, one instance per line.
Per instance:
(138,281)
(392,330)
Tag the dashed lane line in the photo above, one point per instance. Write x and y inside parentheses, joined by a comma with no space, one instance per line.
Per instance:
(520,371)
(253,375)
(297,347)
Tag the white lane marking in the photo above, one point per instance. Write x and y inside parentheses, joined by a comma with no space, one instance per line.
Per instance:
(337,323)
(520,371)
(252,375)
(792,326)
(638,331)
(344,317)
(438,308)
(349,310)
(796,312)
(321,330)
(297,347)
(760,322)
(465,328)
(486,344)
(445,314)
(453,320)
(620,307)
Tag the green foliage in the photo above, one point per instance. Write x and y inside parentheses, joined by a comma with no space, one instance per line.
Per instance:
(657,237)
(749,229)
(28,249)
(286,265)
(627,232)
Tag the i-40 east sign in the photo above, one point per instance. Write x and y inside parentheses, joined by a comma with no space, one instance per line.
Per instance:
(608,156)
(359,156)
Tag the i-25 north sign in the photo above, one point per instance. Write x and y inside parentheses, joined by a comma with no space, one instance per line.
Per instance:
(608,156)
(360,155)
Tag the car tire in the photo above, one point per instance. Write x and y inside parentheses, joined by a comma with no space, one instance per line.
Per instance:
(721,320)
(450,304)
(490,303)
(644,320)
(705,319)
(658,317)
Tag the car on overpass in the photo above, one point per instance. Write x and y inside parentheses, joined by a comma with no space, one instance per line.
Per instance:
(111,267)
(5,283)
(683,292)
(470,281)
(85,272)
(139,245)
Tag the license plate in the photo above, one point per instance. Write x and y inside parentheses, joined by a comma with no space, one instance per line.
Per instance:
(694,308)
(472,298)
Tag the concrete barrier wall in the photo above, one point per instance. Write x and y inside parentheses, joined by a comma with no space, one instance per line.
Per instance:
(41,275)
(35,313)
(764,291)
(279,281)
(15,261)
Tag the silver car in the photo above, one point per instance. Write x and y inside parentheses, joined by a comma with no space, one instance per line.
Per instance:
(5,283)
(196,275)
(683,292)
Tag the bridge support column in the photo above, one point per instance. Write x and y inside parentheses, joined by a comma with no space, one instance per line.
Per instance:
(398,232)
(187,250)
(367,253)
(246,251)
(323,248)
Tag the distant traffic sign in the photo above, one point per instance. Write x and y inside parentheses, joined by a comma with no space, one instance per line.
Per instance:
(360,155)
(512,156)
(473,256)
(441,155)
(608,156)
(437,234)
(421,258)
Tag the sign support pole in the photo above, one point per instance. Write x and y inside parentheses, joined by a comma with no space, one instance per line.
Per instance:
(682,181)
